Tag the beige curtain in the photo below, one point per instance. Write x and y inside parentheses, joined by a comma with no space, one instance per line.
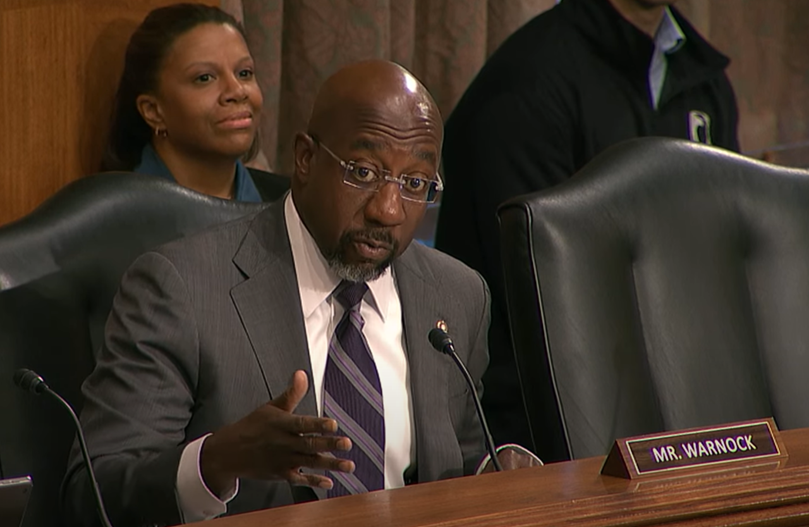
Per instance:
(767,42)
(298,43)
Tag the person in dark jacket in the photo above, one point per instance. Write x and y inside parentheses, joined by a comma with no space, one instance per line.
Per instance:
(574,80)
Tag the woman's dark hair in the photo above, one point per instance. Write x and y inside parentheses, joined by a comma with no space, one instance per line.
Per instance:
(147,49)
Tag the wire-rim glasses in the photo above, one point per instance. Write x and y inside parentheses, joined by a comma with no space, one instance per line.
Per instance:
(418,187)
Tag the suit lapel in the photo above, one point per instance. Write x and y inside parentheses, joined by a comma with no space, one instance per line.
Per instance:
(436,444)
(269,305)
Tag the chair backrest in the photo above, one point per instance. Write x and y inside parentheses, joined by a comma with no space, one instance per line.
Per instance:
(60,267)
(664,286)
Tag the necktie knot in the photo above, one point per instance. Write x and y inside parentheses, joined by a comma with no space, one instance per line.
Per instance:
(350,294)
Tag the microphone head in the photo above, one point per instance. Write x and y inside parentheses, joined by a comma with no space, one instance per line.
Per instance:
(29,381)
(441,341)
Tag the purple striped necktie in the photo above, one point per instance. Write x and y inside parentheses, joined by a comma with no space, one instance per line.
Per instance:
(353,397)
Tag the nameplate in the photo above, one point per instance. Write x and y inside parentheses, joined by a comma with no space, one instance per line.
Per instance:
(705,448)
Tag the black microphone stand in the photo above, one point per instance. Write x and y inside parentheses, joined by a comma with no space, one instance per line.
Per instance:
(28,380)
(443,343)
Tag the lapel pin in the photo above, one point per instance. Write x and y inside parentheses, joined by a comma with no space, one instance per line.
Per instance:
(440,324)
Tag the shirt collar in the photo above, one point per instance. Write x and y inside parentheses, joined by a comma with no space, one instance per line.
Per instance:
(245,186)
(316,280)
(669,36)
(150,163)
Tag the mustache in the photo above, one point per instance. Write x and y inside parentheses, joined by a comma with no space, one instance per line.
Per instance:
(362,271)
(378,236)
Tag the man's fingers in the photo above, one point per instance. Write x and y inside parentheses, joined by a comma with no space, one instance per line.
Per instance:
(294,393)
(318,462)
(305,424)
(314,444)
(310,480)
(325,462)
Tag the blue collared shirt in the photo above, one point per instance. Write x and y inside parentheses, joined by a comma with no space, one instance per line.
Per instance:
(150,163)
(668,39)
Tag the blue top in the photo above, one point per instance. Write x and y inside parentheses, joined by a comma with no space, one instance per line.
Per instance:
(150,163)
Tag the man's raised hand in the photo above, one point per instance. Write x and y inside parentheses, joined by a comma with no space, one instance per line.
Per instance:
(273,443)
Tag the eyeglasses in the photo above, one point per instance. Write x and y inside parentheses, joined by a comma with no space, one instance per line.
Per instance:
(418,186)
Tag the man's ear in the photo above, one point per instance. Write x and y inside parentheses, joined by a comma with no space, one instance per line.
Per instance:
(149,109)
(304,150)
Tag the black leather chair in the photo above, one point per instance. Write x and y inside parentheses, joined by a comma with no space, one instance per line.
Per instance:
(59,270)
(664,286)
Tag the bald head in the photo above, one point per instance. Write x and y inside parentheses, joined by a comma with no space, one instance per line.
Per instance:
(363,170)
(376,90)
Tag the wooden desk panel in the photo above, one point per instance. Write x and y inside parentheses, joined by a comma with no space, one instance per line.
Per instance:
(572,493)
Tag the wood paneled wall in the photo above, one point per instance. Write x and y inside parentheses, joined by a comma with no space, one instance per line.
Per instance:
(60,61)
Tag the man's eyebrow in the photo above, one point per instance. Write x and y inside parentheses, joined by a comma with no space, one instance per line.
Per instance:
(375,146)
(367,144)
(424,155)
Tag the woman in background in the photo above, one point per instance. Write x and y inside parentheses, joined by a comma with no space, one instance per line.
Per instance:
(188,105)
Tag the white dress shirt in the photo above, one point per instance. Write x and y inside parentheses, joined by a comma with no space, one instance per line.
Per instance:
(382,312)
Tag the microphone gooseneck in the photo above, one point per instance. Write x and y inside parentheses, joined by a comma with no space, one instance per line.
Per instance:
(443,343)
(29,381)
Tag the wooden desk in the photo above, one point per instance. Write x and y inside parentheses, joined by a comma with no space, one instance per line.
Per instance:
(572,493)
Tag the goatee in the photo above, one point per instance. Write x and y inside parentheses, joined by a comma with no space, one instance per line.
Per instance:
(366,271)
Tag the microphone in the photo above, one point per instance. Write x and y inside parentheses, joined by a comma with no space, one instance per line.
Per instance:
(443,343)
(28,380)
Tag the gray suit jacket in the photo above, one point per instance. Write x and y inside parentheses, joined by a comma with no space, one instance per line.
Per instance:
(206,329)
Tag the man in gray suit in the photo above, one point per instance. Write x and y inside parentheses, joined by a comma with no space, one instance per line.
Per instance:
(215,390)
